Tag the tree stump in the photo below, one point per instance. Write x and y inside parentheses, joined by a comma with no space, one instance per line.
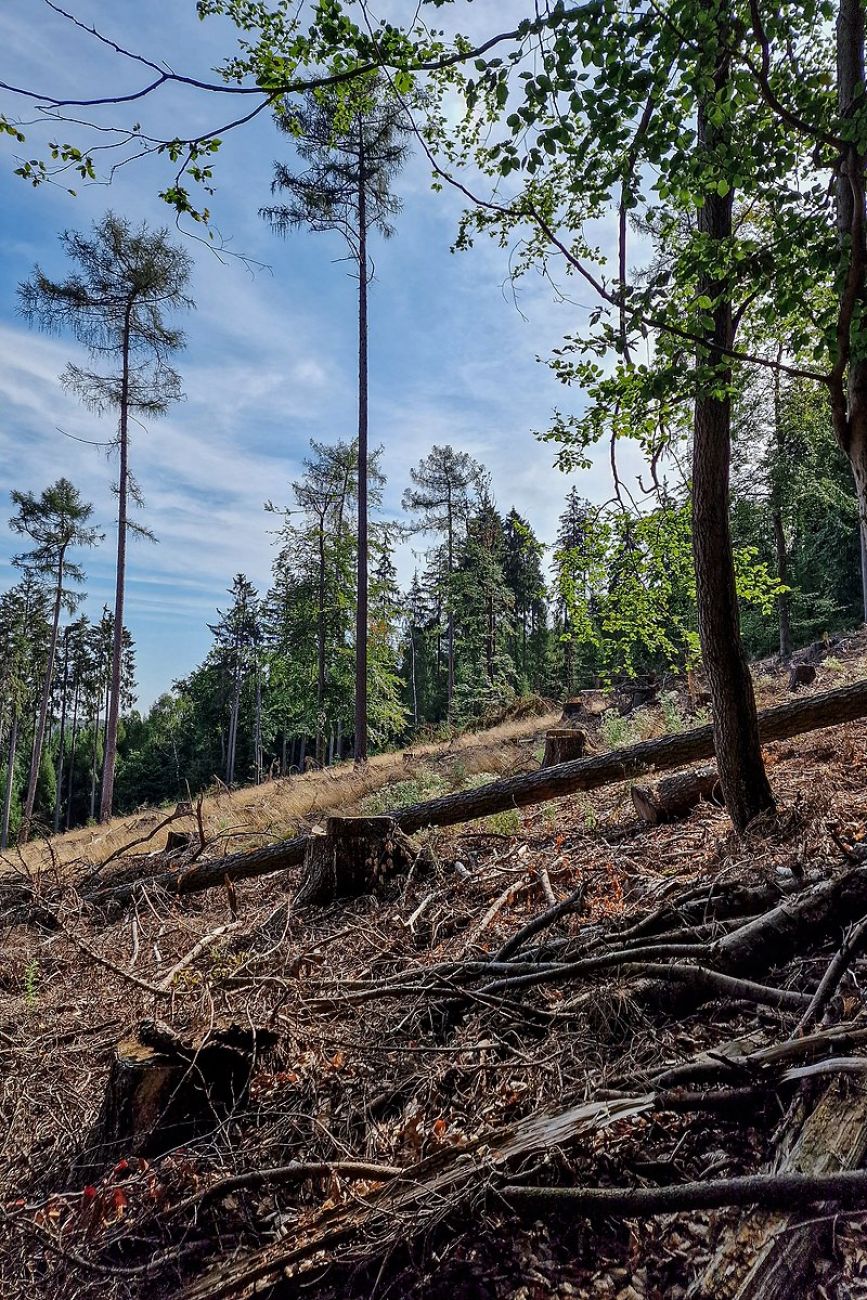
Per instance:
(178,841)
(351,857)
(676,796)
(563,744)
(801,675)
(162,1089)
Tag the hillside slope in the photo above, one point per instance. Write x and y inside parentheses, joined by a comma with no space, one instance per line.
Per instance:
(378,1147)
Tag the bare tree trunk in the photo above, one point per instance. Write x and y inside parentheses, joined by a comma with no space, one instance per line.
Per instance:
(361,596)
(784,604)
(71,780)
(39,734)
(10,780)
(233,726)
(61,741)
(113,715)
(736,733)
(257,741)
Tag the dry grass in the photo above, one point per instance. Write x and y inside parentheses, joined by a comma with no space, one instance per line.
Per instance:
(234,819)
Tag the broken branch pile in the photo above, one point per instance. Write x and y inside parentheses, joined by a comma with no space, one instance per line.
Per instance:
(470,1083)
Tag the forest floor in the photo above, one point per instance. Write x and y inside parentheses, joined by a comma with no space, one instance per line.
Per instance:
(377,1148)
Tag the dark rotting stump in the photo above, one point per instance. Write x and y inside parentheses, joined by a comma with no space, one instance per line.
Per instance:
(164,1089)
(351,857)
(801,675)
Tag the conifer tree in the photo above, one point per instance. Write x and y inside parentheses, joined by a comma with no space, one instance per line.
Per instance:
(355,144)
(57,523)
(114,303)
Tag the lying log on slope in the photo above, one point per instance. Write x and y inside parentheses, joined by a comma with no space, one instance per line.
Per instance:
(676,795)
(827,709)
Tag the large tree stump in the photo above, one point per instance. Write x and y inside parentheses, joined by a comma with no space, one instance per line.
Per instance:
(162,1089)
(563,744)
(351,857)
(676,796)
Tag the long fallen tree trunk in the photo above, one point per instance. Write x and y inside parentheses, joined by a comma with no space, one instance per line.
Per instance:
(829,708)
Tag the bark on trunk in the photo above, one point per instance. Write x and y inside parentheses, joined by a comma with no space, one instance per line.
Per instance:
(739,756)
(826,709)
(113,714)
(562,744)
(71,780)
(767,1255)
(163,1090)
(849,377)
(61,740)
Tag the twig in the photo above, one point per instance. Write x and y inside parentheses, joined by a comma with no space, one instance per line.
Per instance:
(295,1172)
(771,1191)
(830,981)
(164,985)
(573,903)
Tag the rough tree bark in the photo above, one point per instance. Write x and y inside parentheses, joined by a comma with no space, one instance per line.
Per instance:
(849,377)
(562,744)
(10,779)
(738,751)
(353,855)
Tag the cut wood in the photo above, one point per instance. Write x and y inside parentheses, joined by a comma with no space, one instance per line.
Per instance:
(765,1256)
(676,796)
(352,856)
(562,744)
(793,718)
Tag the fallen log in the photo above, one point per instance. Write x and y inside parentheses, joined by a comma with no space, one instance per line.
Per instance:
(676,796)
(766,1256)
(830,708)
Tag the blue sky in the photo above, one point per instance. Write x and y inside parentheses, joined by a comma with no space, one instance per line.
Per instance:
(270,360)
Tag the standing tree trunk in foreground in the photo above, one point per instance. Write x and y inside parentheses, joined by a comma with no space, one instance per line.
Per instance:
(849,376)
(736,733)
